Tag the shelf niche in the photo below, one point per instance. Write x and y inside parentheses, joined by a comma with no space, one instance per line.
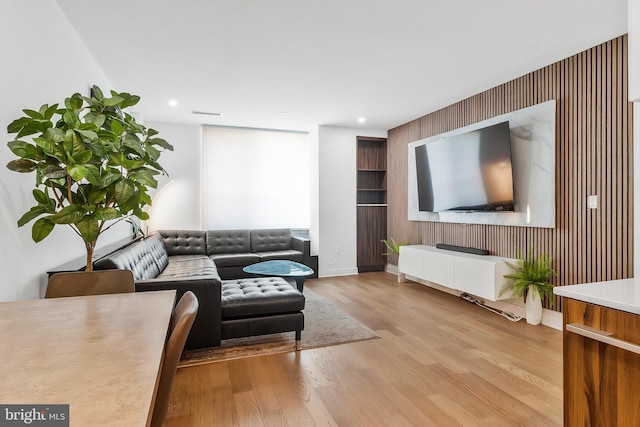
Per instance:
(371,201)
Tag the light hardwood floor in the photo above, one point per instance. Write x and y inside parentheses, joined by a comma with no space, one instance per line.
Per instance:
(440,361)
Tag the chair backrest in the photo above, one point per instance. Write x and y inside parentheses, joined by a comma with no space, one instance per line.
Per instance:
(181,321)
(79,283)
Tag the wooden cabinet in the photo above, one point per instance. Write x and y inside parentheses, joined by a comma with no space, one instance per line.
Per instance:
(601,365)
(371,200)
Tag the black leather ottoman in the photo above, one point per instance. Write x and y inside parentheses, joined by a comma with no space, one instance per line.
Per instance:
(259,306)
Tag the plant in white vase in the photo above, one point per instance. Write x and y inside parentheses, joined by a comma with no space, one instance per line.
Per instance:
(531,275)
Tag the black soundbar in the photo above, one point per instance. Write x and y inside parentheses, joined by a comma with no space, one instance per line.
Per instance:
(474,251)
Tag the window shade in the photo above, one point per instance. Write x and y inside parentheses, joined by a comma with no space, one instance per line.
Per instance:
(255,178)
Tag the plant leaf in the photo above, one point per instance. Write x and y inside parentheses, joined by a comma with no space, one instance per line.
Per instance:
(114,100)
(116,128)
(33,114)
(22,165)
(54,171)
(145,177)
(41,229)
(124,190)
(54,135)
(109,178)
(96,197)
(34,212)
(50,111)
(23,149)
(105,214)
(95,118)
(68,215)
(89,134)
(50,149)
(152,152)
(83,156)
(161,142)
(74,102)
(40,196)
(88,228)
(87,171)
(129,100)
(17,125)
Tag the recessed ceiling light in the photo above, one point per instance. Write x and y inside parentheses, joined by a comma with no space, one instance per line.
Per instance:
(173,102)
(284,113)
(361,120)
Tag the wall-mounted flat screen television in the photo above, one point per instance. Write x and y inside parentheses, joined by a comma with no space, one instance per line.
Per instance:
(469,172)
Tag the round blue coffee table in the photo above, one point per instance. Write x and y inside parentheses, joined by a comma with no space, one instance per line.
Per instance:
(281,268)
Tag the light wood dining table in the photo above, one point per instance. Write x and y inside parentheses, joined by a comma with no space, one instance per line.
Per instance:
(100,354)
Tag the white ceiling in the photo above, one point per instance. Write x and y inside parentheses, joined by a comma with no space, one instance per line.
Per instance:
(328,62)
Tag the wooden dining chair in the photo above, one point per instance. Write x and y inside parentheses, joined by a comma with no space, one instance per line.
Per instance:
(181,321)
(80,283)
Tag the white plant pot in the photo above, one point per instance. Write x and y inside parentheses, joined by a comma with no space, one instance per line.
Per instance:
(533,307)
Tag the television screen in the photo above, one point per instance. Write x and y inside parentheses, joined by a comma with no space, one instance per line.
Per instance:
(469,172)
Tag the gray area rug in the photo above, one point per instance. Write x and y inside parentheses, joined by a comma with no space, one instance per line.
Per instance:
(324,325)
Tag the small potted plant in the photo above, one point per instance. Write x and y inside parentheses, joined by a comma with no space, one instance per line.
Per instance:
(531,275)
(394,248)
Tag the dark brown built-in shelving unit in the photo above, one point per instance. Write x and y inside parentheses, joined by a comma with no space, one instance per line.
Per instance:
(371,159)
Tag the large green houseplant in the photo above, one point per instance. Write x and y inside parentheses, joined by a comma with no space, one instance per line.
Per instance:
(94,164)
(532,276)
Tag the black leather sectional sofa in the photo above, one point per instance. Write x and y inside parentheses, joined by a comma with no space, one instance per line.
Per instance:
(209,263)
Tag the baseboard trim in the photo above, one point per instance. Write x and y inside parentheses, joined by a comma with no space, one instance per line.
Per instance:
(552,319)
(337,272)
(391,268)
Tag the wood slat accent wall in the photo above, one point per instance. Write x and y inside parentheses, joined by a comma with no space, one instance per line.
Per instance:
(594,155)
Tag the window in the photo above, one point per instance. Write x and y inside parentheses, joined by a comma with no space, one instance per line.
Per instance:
(255,178)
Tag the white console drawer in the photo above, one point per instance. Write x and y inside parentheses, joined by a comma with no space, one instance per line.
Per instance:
(438,268)
(472,276)
(411,261)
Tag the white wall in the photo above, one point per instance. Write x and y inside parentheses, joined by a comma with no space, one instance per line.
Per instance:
(314,186)
(636,189)
(44,61)
(337,198)
(633,17)
(177,202)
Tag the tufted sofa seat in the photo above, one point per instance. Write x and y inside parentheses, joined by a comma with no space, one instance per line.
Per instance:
(246,302)
(260,296)
(228,308)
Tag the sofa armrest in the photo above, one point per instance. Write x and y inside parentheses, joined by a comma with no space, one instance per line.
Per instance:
(301,244)
(206,329)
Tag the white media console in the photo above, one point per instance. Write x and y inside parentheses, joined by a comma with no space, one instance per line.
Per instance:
(479,275)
